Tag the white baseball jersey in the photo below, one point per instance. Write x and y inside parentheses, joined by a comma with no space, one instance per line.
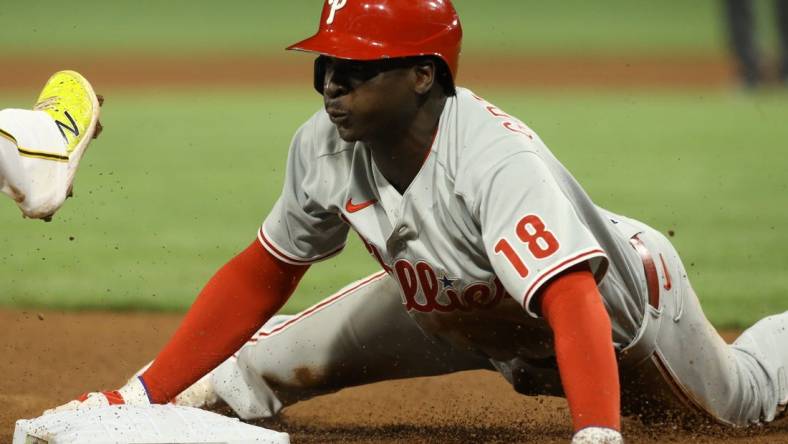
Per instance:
(491,216)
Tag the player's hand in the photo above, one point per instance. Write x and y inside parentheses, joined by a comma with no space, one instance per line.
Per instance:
(133,393)
(597,435)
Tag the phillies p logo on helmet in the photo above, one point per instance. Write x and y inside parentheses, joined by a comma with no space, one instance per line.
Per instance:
(384,29)
(336,5)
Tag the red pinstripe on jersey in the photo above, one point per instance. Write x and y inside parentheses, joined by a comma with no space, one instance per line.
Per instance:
(287,258)
(316,308)
(668,281)
(555,270)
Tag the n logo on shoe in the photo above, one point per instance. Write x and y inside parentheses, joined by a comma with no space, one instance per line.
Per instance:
(73,129)
(336,5)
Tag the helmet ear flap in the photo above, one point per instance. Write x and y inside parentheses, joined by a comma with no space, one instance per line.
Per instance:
(320,74)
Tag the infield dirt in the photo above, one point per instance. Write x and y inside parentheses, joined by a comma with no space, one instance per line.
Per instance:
(134,71)
(52,357)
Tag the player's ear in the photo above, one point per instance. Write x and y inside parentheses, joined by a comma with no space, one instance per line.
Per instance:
(320,74)
(424,71)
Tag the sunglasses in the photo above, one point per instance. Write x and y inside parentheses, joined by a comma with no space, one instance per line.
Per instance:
(353,73)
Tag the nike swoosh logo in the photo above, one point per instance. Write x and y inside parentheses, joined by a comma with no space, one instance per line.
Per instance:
(352,208)
(668,285)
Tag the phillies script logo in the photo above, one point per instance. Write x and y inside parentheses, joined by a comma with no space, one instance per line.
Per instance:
(421,278)
(335,5)
(479,295)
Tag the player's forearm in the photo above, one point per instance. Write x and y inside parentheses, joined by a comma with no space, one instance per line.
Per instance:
(584,350)
(237,300)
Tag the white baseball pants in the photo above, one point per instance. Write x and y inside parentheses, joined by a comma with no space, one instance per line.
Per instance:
(34,166)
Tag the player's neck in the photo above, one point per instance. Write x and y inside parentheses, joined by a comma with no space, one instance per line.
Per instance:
(400,154)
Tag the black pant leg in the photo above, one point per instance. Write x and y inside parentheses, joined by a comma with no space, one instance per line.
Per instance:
(781,12)
(741,25)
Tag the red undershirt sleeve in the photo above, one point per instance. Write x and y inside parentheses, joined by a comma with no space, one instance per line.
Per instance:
(234,304)
(572,305)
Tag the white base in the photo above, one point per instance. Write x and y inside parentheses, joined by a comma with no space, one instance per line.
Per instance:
(155,424)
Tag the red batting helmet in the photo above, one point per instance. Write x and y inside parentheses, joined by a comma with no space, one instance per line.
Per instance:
(382,29)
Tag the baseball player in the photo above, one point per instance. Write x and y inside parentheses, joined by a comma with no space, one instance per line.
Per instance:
(492,256)
(40,149)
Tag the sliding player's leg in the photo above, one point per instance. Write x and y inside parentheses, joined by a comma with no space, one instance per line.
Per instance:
(738,384)
(359,335)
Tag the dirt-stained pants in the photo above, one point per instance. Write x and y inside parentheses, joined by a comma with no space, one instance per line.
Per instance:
(360,335)
(691,368)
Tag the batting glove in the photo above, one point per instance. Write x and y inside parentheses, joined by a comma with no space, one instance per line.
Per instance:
(597,435)
(133,393)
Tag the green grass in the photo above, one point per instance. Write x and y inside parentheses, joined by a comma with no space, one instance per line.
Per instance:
(175,186)
(44,27)
(179,182)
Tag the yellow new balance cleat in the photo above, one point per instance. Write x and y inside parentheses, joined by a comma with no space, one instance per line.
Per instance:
(70,100)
